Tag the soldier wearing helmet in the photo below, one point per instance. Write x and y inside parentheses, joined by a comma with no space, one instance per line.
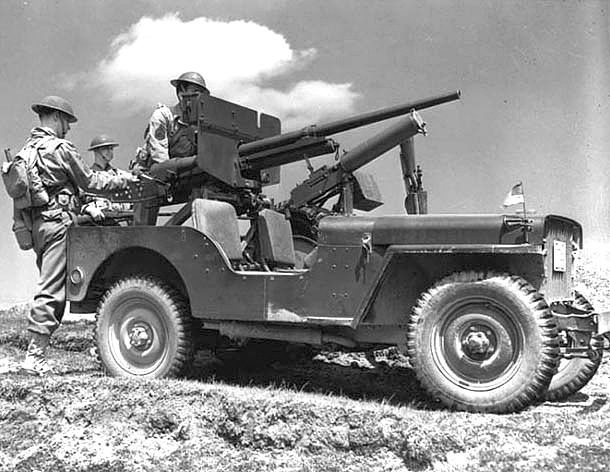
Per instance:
(167,136)
(64,176)
(102,147)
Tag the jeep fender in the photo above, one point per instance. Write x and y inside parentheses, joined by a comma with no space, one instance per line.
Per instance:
(409,270)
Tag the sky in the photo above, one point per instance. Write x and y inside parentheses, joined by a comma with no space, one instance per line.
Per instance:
(534,76)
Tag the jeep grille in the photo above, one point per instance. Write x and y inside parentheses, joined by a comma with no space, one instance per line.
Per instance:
(559,260)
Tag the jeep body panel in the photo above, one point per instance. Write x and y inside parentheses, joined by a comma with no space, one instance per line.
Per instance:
(368,271)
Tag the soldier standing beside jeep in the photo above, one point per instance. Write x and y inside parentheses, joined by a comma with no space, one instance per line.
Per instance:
(63,174)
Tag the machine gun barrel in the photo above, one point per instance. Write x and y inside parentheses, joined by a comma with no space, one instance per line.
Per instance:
(346,124)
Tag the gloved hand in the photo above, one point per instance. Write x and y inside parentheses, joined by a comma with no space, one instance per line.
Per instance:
(94,212)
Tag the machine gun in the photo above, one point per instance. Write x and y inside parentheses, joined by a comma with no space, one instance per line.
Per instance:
(240,151)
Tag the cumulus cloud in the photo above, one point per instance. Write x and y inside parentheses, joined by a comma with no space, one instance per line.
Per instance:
(239,60)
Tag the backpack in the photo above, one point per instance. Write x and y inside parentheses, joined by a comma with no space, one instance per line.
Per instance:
(22,179)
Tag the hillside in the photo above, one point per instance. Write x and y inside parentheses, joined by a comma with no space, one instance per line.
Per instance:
(337,412)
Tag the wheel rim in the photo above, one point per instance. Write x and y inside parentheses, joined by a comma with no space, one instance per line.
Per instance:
(138,335)
(478,346)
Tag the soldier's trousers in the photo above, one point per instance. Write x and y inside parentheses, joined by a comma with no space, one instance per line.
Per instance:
(49,230)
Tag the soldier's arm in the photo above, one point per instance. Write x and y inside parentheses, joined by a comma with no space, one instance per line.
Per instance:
(85,178)
(156,139)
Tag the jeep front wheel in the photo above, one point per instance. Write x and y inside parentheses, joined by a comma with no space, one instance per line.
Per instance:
(483,342)
(142,329)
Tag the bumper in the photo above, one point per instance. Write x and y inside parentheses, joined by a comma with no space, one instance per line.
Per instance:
(592,322)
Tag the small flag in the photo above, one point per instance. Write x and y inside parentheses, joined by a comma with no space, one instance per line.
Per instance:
(515,195)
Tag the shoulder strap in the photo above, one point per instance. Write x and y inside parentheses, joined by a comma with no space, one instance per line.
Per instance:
(38,160)
(52,141)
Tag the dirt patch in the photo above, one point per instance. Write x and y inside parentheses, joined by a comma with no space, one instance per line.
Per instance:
(321,411)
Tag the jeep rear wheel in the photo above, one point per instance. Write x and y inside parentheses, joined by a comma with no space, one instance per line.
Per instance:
(483,342)
(573,374)
(142,329)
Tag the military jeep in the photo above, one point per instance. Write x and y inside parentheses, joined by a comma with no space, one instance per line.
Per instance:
(484,306)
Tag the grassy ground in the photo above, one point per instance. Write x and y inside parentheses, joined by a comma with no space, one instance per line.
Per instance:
(334,413)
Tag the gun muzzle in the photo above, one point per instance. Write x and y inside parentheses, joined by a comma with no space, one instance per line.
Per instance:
(374,147)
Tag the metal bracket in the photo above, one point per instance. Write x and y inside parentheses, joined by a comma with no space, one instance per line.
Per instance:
(367,246)
(603,322)
(576,322)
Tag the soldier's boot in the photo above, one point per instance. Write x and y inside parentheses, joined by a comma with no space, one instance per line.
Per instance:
(35,362)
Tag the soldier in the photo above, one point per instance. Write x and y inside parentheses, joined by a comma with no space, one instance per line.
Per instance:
(102,147)
(64,175)
(168,136)
(103,153)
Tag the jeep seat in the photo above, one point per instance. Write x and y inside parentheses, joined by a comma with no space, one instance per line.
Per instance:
(218,221)
(275,235)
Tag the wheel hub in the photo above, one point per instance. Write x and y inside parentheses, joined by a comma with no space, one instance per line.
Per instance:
(140,336)
(478,343)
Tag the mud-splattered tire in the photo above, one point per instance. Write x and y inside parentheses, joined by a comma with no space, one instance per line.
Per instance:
(573,374)
(483,342)
(143,329)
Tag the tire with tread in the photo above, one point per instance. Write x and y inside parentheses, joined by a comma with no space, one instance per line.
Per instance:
(143,329)
(573,374)
(483,342)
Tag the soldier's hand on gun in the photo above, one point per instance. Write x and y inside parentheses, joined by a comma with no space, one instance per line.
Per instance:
(137,170)
(132,177)
(94,212)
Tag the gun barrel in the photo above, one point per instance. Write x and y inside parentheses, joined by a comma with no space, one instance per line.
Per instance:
(346,124)
(374,147)
(310,147)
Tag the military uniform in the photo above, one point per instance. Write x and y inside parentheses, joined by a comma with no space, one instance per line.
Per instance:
(167,136)
(104,203)
(110,169)
(63,173)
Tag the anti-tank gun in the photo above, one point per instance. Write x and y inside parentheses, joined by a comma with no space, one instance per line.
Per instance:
(239,152)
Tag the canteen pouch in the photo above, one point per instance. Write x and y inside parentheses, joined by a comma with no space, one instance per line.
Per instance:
(22,232)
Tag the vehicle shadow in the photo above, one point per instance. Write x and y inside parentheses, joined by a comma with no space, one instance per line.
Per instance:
(324,373)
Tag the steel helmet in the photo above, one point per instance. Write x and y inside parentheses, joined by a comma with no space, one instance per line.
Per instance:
(191,78)
(53,102)
(102,140)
